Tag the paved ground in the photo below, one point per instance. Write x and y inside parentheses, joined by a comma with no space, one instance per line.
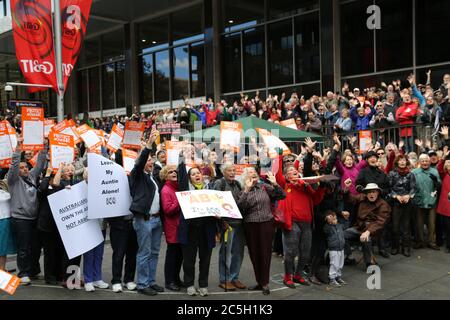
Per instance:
(425,275)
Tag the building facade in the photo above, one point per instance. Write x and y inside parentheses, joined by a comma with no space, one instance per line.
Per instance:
(142,55)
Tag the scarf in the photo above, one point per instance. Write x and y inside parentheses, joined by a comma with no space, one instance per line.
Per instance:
(198,186)
(403,172)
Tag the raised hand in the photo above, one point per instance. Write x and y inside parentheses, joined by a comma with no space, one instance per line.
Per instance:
(271,178)
(418,143)
(444,131)
(401,144)
(310,144)
(446,152)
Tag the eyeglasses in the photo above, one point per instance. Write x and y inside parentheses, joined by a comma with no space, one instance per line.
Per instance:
(172,171)
(289,160)
(380,153)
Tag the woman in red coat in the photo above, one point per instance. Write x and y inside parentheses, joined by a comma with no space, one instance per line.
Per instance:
(406,115)
(444,200)
(172,211)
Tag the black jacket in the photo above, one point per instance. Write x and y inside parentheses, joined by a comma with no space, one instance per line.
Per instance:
(401,185)
(142,188)
(335,237)
(373,175)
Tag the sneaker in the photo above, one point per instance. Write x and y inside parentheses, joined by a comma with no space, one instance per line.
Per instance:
(89,287)
(117,288)
(301,280)
(287,281)
(191,291)
(131,286)
(334,283)
(25,281)
(341,281)
(101,284)
(316,281)
(434,246)
(203,292)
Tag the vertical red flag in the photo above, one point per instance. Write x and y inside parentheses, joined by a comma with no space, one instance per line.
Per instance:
(74,19)
(33,38)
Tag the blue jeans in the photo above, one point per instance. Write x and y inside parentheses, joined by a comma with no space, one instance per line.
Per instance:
(148,235)
(92,263)
(234,255)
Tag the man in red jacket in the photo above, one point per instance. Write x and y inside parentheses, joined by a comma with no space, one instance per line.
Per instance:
(297,234)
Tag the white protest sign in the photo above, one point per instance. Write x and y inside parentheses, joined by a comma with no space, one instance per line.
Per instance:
(208,203)
(70,211)
(108,188)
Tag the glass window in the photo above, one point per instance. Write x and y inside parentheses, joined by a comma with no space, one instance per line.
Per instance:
(356,40)
(91,55)
(198,70)
(120,84)
(154,34)
(181,72)
(240,14)
(280,53)
(94,89)
(431,31)
(108,86)
(232,62)
(375,80)
(437,75)
(254,58)
(287,8)
(113,45)
(306,90)
(83,89)
(394,48)
(307,46)
(187,25)
(162,76)
(146,79)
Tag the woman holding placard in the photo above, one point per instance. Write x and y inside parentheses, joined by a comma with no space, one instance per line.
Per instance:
(172,212)
(7,245)
(195,234)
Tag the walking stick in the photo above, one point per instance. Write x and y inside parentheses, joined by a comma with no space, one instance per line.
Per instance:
(225,241)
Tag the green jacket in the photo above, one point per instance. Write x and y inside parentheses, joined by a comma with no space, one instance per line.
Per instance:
(425,189)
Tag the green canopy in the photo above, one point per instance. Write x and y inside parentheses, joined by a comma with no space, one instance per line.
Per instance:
(249,125)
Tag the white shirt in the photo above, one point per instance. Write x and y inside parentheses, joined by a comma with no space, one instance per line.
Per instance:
(155,201)
(5,201)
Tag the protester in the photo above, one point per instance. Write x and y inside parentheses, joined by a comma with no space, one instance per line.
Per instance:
(256,205)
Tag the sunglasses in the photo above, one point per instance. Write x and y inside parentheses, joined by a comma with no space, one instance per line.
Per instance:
(289,160)
(172,171)
(380,153)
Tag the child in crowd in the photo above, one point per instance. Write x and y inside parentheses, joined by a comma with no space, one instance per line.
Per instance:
(336,243)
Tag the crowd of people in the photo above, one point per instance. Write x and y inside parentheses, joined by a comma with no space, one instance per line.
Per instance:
(313,208)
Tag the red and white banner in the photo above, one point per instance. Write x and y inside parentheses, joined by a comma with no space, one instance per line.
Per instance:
(33,38)
(48,125)
(33,128)
(67,127)
(74,18)
(89,136)
(128,159)
(133,135)
(61,149)
(116,137)
(6,149)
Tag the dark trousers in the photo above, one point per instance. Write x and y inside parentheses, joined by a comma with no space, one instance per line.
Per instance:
(318,249)
(197,242)
(431,225)
(297,242)
(259,236)
(124,245)
(278,241)
(352,234)
(446,223)
(401,222)
(172,265)
(53,256)
(28,246)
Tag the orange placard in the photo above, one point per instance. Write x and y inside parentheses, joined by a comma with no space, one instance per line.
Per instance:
(48,125)
(365,139)
(230,135)
(12,134)
(67,127)
(89,136)
(9,282)
(6,149)
(290,123)
(240,168)
(115,138)
(101,134)
(61,149)
(173,150)
(33,128)
(34,159)
(133,135)
(128,159)
(272,143)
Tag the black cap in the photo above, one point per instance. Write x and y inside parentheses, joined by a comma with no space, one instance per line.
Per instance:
(371,154)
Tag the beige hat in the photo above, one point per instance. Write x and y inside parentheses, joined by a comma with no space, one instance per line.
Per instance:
(371,186)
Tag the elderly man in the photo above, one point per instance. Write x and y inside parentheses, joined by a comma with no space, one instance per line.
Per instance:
(231,254)
(373,213)
(426,183)
(145,206)
(23,187)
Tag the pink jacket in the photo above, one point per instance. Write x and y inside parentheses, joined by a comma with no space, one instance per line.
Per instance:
(172,211)
(351,173)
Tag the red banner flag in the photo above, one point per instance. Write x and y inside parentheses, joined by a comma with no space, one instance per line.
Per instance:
(74,19)
(33,38)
